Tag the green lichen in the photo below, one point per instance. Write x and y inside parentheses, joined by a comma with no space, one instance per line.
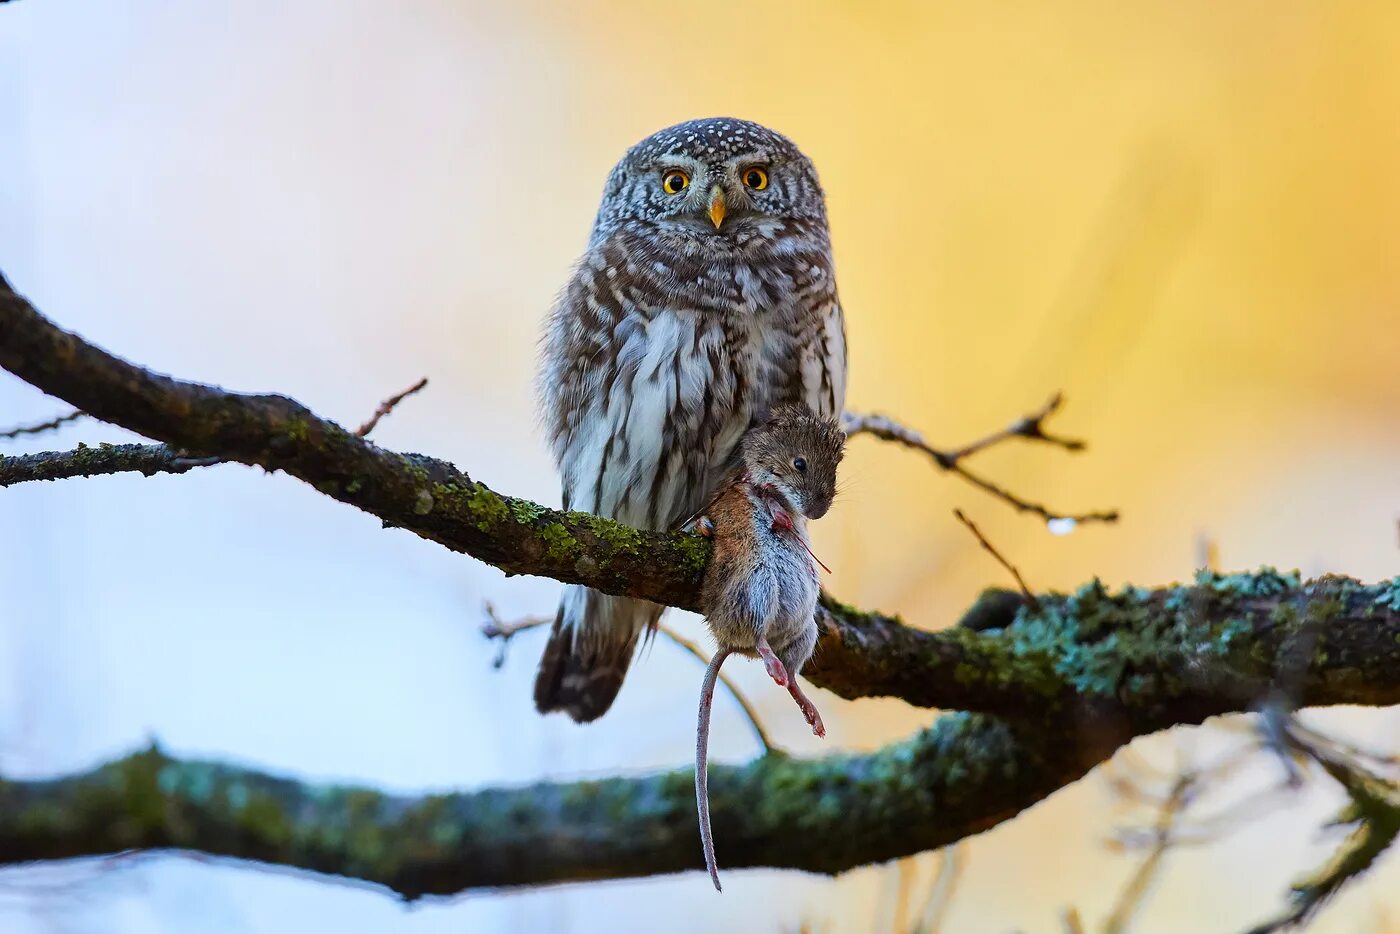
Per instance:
(1266,582)
(1093,638)
(694,552)
(298,429)
(1389,596)
(1229,636)
(1323,609)
(620,539)
(965,674)
(525,511)
(486,507)
(559,542)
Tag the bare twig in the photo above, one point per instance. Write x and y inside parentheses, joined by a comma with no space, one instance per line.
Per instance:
(147,459)
(92,461)
(1135,892)
(505,630)
(1372,813)
(1173,825)
(940,896)
(704,659)
(496,628)
(41,427)
(1207,552)
(387,406)
(189,463)
(1031,428)
(987,546)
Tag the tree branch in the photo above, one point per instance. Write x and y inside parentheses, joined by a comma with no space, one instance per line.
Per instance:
(1072,677)
(858,653)
(41,427)
(957,778)
(1030,427)
(89,461)
(1105,667)
(427,496)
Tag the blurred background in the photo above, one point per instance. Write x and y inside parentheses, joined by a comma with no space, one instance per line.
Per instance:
(1186,215)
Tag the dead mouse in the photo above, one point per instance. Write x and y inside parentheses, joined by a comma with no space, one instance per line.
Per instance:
(760,590)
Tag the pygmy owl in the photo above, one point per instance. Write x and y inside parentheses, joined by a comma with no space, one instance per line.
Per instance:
(705,299)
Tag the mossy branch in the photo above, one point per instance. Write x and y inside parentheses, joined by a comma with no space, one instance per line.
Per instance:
(1191,645)
(1057,683)
(1104,667)
(966,773)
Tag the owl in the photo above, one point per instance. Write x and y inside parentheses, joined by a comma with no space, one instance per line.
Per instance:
(705,299)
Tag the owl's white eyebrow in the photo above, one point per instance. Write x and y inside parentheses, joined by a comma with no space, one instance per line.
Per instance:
(674,161)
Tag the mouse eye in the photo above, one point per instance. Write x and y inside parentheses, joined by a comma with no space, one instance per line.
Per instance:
(674,181)
(800,464)
(756,178)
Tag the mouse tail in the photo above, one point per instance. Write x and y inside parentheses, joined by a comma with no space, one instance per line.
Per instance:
(702,743)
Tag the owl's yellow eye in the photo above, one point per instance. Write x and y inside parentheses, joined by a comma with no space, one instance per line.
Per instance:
(756,178)
(674,181)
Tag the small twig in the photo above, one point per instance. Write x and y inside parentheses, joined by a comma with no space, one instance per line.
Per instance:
(41,427)
(85,461)
(940,896)
(496,628)
(1276,713)
(1372,813)
(189,463)
(704,659)
(1172,825)
(387,406)
(904,881)
(1207,552)
(1031,601)
(1163,836)
(1031,428)
(384,409)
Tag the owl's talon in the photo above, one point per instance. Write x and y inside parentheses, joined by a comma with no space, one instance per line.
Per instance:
(704,527)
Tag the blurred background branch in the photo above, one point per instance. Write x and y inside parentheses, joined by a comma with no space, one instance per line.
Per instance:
(1030,427)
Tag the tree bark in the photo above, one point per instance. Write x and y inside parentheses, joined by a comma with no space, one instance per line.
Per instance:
(1052,686)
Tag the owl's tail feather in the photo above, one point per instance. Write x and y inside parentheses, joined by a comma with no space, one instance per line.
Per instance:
(590,646)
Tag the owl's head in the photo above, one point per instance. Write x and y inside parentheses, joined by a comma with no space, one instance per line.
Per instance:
(718,179)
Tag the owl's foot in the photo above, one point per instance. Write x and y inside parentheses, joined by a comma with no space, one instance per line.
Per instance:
(809,709)
(771,662)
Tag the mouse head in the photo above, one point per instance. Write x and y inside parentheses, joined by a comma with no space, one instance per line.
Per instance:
(795,454)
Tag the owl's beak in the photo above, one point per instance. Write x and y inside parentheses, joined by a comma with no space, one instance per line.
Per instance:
(717,206)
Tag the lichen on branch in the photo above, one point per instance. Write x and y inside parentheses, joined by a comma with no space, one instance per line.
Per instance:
(1053,683)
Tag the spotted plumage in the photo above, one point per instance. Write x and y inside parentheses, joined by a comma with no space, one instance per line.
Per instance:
(697,308)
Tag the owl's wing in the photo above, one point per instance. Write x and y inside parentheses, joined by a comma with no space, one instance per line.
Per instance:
(807,356)
(821,363)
